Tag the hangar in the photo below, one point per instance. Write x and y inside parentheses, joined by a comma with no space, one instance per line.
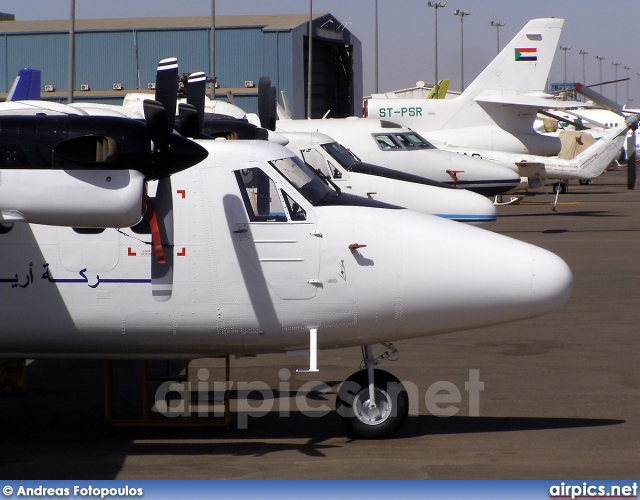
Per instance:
(114,56)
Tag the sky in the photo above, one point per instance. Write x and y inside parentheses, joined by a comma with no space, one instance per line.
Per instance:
(406,33)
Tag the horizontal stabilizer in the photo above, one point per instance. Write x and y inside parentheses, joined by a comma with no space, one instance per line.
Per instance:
(534,101)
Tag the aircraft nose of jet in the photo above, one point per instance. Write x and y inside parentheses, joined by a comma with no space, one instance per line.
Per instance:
(552,281)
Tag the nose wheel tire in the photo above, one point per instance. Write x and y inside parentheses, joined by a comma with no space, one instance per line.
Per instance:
(364,420)
(560,187)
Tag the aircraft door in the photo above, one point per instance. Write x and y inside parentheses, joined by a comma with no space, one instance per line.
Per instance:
(278,235)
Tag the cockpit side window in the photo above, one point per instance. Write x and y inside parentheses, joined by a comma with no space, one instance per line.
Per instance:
(405,142)
(303,179)
(316,160)
(296,212)
(260,195)
(418,141)
(387,142)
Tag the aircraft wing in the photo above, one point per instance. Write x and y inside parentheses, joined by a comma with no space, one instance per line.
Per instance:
(534,101)
(530,168)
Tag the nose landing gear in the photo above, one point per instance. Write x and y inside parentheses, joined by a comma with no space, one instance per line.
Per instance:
(373,404)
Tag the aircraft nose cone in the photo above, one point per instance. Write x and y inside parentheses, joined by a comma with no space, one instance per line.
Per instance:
(552,281)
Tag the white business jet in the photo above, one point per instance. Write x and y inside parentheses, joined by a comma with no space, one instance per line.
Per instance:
(250,253)
(392,146)
(498,109)
(353,176)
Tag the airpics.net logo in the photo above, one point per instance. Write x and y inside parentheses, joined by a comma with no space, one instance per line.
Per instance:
(586,490)
(256,399)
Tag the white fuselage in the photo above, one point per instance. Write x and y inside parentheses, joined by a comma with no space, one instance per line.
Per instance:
(357,274)
(455,204)
(368,139)
(463,122)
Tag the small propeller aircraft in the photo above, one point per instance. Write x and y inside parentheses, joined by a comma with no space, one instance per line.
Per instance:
(251,253)
(586,165)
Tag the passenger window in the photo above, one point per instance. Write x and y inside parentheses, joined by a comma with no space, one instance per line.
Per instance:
(260,196)
(386,142)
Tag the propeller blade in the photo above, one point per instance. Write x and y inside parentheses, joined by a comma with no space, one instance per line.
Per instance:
(631,161)
(189,120)
(273,112)
(266,103)
(196,91)
(167,88)
(599,98)
(163,237)
(632,123)
(155,116)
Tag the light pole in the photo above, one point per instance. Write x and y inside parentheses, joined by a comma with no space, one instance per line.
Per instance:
(212,50)
(638,74)
(497,25)
(627,68)
(461,13)
(436,6)
(600,58)
(584,78)
(309,57)
(565,48)
(72,37)
(376,47)
(583,53)
(616,64)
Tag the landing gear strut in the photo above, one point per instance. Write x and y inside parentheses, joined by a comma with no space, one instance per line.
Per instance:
(372,404)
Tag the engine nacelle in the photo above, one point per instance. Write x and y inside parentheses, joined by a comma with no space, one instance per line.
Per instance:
(78,198)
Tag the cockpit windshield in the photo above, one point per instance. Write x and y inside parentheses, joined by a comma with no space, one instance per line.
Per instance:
(406,141)
(302,178)
(341,154)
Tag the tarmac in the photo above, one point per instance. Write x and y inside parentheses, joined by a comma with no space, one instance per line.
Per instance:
(560,398)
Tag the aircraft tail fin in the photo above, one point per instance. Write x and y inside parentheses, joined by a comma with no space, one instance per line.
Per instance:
(596,158)
(523,66)
(26,86)
(443,86)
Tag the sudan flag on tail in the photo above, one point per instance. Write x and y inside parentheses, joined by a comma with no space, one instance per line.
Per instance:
(526,54)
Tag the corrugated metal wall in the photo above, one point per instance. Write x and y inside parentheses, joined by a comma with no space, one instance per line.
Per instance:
(130,57)
(104,58)
(46,52)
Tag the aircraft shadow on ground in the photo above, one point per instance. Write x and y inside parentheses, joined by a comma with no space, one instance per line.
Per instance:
(54,431)
(561,212)
(77,450)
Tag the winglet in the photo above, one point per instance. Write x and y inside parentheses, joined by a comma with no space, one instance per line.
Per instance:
(443,86)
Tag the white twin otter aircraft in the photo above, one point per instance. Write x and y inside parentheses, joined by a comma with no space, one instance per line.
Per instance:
(251,251)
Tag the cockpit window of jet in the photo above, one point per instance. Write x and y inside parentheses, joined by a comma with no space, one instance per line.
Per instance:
(408,142)
(386,142)
(341,154)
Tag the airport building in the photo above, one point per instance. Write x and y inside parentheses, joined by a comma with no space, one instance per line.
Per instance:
(115,56)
